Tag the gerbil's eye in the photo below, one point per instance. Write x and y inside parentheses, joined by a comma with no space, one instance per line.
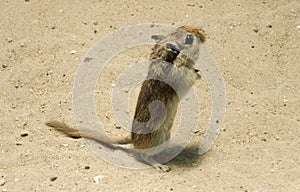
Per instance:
(189,39)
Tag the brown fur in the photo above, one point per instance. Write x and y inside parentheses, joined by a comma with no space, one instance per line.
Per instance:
(176,64)
(200,33)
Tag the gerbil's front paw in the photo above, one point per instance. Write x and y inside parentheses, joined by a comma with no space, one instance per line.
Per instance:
(163,168)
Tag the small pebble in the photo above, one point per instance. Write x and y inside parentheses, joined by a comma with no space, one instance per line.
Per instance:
(97,179)
(255,30)
(117,126)
(27,0)
(9,40)
(113,84)
(65,145)
(191,5)
(53,178)
(2,182)
(87,59)
(298,27)
(125,90)
(87,167)
(4,66)
(95,23)
(4,190)
(22,45)
(72,52)
(269,26)
(24,134)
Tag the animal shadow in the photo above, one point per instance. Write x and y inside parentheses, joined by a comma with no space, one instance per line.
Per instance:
(188,157)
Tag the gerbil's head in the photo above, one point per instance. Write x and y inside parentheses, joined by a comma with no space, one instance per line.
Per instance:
(180,48)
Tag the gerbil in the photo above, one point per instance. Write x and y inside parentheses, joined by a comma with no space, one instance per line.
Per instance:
(170,76)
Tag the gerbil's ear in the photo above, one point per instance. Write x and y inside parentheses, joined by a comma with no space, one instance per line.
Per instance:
(157,37)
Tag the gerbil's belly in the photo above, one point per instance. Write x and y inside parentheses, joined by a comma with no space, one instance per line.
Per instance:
(152,138)
(160,135)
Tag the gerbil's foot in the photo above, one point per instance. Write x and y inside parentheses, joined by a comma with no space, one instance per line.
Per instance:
(155,164)
(163,168)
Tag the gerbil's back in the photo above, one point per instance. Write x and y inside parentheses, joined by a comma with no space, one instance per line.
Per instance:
(171,74)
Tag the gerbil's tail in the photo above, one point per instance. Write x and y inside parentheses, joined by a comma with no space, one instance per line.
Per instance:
(74,133)
(64,128)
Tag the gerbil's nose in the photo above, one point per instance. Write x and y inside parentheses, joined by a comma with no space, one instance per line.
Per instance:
(181,47)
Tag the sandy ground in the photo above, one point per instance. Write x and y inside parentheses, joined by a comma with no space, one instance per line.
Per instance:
(256,44)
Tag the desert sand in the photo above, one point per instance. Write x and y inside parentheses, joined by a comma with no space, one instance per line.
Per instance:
(255,44)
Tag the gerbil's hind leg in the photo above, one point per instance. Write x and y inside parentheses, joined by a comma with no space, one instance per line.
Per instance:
(154,163)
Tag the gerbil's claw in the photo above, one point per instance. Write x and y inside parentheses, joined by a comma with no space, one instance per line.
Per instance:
(163,168)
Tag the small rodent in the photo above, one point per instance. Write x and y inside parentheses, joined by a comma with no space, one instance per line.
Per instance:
(171,74)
